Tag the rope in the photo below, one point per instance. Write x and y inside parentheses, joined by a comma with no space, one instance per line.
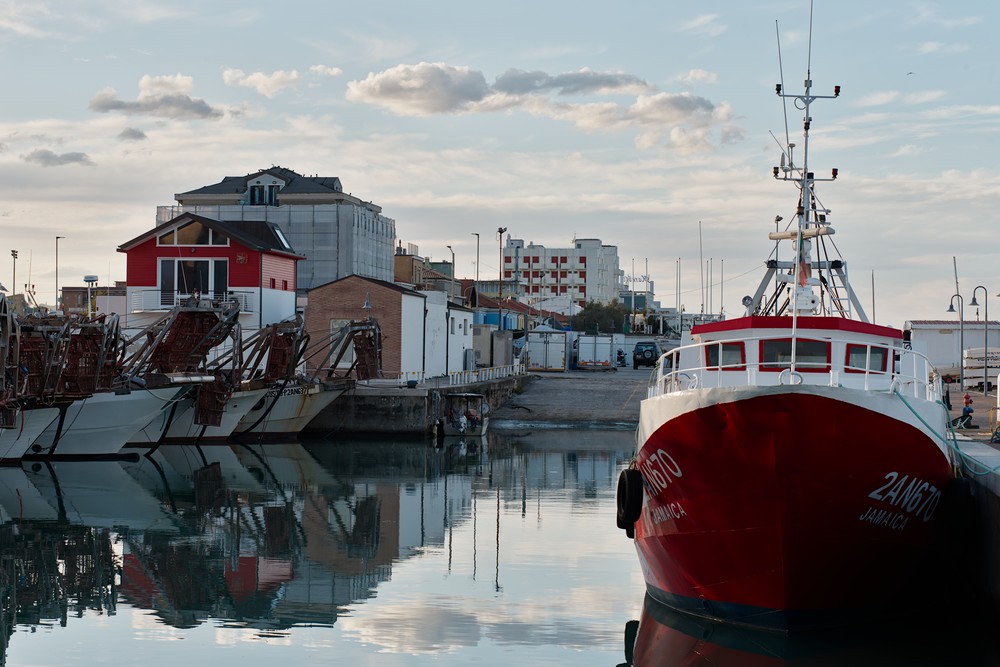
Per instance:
(951,444)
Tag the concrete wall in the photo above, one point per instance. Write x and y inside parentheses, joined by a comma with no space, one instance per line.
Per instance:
(400,411)
(436,332)
(411,338)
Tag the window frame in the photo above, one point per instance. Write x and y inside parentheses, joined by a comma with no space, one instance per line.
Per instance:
(714,345)
(863,346)
(774,367)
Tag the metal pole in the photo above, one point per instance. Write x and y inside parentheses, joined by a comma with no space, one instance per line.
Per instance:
(452,272)
(500,233)
(13,254)
(57,270)
(476,234)
(986,335)
(961,336)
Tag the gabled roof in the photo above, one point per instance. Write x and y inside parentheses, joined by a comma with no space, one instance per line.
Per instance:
(295,183)
(254,235)
(381,283)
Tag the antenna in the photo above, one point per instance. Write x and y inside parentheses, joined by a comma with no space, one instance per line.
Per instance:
(781,75)
(809,57)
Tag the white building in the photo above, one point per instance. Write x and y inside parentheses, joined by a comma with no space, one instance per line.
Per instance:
(588,271)
(338,233)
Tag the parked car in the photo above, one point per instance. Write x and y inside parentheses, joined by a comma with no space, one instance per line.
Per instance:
(645,353)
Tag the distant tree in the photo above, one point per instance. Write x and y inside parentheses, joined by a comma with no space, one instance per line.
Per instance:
(600,318)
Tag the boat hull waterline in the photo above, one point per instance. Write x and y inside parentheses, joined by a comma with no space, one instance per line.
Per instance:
(756,513)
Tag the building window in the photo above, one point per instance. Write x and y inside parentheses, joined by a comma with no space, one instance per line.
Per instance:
(284,285)
(506,274)
(562,274)
(184,277)
(583,289)
(264,195)
(453,325)
(553,274)
(564,260)
(583,275)
(273,281)
(193,233)
(583,260)
(562,289)
(811,356)
(506,260)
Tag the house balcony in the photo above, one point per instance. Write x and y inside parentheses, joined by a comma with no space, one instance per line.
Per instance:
(156,299)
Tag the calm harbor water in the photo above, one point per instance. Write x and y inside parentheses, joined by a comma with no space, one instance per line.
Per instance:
(363,553)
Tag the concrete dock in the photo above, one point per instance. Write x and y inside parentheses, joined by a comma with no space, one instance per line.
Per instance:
(575,399)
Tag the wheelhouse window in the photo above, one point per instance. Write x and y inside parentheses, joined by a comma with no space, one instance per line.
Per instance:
(193,233)
(810,355)
(733,356)
(860,360)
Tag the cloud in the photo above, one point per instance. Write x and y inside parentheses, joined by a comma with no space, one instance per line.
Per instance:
(421,89)
(160,96)
(924,97)
(25,19)
(47,158)
(131,134)
(908,150)
(927,13)
(926,48)
(433,88)
(324,70)
(878,99)
(698,76)
(268,85)
(704,24)
(521,82)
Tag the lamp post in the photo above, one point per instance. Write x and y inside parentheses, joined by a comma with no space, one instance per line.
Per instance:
(452,295)
(986,335)
(13,254)
(500,233)
(57,270)
(961,336)
(476,234)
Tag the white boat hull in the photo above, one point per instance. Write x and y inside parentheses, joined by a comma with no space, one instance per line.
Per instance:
(14,442)
(182,429)
(100,425)
(291,413)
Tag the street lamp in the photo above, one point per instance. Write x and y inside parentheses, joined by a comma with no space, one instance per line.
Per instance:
(986,335)
(452,295)
(961,336)
(476,234)
(57,270)
(13,253)
(500,233)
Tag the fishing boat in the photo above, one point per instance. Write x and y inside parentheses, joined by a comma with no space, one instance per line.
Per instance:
(791,464)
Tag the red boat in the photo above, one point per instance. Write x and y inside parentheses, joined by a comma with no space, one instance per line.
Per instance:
(791,464)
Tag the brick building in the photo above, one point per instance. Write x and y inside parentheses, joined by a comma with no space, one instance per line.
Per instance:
(398,310)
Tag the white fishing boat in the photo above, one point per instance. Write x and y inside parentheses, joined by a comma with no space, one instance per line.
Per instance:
(282,413)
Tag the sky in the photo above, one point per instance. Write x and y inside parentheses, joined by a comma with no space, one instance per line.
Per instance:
(652,126)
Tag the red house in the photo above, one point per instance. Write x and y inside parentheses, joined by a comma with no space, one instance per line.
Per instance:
(249,262)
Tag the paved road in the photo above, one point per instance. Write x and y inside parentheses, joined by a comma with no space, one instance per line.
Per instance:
(577,398)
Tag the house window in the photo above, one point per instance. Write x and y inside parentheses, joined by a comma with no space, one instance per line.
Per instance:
(506,260)
(583,289)
(562,274)
(564,259)
(193,233)
(553,274)
(583,260)
(284,285)
(858,360)
(811,356)
(453,325)
(506,274)
(733,356)
(583,275)
(183,277)
(273,283)
(562,289)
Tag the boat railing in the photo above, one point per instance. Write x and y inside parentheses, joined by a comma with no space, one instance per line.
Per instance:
(903,370)
(156,299)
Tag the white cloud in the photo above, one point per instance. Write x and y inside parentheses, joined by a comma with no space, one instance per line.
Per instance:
(878,99)
(47,158)
(926,48)
(908,150)
(698,76)
(924,96)
(164,96)
(705,24)
(421,89)
(268,85)
(325,70)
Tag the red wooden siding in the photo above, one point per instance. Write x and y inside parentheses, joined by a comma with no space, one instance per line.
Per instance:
(280,269)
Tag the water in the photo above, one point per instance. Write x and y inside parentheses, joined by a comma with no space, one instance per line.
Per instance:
(360,553)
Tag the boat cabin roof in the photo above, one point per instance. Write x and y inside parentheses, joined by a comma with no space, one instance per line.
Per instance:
(804,323)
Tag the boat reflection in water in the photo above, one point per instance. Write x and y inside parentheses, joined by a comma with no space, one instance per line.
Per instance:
(664,636)
(269,538)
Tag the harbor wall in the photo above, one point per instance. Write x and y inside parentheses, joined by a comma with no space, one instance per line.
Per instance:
(980,463)
(390,410)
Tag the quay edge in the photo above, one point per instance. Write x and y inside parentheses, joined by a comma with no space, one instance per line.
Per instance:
(395,410)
